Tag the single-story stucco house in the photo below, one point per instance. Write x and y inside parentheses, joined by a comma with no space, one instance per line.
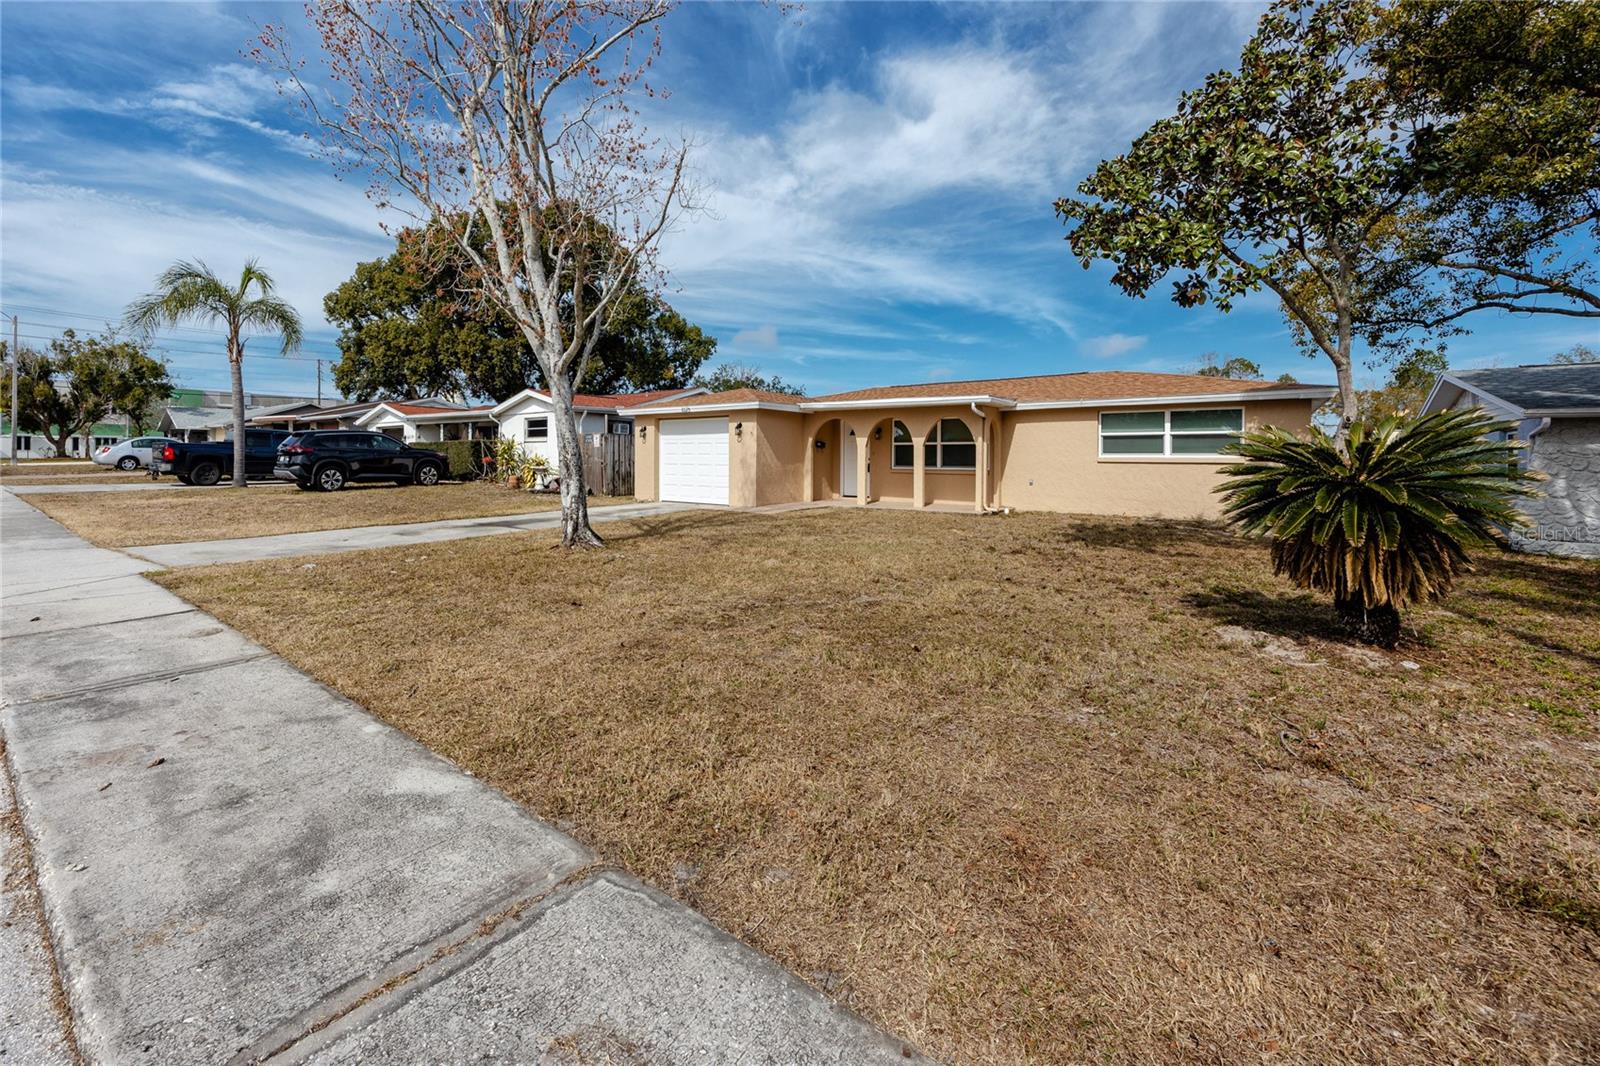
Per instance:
(1098,442)
(1557,410)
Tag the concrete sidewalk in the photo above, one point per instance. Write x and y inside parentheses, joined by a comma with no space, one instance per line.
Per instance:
(360,538)
(238,864)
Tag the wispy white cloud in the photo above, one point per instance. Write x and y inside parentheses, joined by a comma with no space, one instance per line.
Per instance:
(762,338)
(1112,345)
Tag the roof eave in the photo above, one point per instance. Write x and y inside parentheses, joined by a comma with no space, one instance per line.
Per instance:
(717,408)
(1310,392)
(906,401)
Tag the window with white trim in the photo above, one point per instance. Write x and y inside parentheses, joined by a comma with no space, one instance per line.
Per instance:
(949,446)
(536,429)
(1169,434)
(24,443)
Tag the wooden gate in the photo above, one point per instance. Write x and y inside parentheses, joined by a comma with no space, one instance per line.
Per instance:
(608,463)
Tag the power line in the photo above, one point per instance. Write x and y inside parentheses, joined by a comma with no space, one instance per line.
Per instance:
(160,346)
(164,333)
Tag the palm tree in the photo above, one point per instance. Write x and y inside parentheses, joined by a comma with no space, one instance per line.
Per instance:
(191,292)
(1387,521)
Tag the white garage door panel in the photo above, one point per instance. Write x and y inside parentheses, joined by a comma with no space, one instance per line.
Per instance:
(694,460)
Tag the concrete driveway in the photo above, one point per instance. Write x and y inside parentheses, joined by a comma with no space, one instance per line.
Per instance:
(238,864)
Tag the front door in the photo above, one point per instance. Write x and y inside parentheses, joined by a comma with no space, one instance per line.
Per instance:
(847,468)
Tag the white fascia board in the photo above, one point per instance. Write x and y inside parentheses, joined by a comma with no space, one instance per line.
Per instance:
(1562,412)
(520,398)
(451,416)
(910,401)
(1318,392)
(1498,406)
(373,415)
(715,408)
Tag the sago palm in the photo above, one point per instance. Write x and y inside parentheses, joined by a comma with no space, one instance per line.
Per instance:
(188,292)
(1386,522)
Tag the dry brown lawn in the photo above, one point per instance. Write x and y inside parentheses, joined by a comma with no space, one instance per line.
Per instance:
(41,472)
(128,519)
(1034,788)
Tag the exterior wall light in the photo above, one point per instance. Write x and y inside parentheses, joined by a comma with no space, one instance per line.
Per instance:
(821,444)
(642,431)
(877,434)
(738,429)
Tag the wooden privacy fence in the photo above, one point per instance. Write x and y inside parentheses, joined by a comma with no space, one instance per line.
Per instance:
(608,463)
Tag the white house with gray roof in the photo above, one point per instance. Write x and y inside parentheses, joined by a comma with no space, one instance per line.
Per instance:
(1557,410)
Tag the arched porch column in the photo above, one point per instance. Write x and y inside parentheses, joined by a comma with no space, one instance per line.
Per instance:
(808,491)
(918,426)
(863,461)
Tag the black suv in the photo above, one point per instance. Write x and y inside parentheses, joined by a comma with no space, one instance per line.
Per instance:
(329,459)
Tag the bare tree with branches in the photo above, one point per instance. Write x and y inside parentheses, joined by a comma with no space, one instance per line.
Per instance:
(515,121)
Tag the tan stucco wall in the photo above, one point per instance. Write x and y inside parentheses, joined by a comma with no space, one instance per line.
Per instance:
(1038,460)
(645,439)
(778,441)
(766,456)
(1051,463)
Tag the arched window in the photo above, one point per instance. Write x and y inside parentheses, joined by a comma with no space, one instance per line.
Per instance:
(949,447)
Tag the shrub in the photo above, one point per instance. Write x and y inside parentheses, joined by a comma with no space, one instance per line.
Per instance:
(1387,522)
(463,458)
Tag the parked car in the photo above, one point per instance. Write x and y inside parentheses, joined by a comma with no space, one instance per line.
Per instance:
(208,462)
(328,459)
(130,454)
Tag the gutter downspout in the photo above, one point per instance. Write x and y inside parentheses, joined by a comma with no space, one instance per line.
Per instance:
(988,461)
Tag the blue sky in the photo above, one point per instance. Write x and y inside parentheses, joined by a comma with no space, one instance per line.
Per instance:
(878,179)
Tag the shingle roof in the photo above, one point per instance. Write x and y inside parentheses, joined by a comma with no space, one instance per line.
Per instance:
(627,399)
(1084,385)
(433,409)
(736,396)
(1539,387)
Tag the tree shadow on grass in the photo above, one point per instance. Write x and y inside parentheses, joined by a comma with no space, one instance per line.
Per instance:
(1151,535)
(1297,616)
(1564,587)
(650,526)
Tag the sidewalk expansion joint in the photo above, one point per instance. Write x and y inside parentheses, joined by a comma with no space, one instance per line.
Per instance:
(144,679)
(358,1001)
(96,625)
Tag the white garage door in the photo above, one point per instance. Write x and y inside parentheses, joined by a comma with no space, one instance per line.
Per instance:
(694,460)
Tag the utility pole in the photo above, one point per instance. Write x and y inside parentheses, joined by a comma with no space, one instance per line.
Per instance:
(16,372)
(319,382)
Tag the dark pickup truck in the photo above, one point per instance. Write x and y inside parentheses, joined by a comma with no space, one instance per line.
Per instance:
(208,462)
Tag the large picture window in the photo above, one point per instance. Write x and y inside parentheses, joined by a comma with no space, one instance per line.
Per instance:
(949,447)
(1165,434)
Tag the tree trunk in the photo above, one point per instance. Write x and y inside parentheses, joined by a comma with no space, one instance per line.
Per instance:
(575,529)
(1371,625)
(236,371)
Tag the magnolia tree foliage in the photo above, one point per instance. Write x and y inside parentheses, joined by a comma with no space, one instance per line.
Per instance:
(517,118)
(1352,165)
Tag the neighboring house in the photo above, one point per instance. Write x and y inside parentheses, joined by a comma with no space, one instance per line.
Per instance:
(342,416)
(525,417)
(431,420)
(196,415)
(35,445)
(1557,410)
(1100,442)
